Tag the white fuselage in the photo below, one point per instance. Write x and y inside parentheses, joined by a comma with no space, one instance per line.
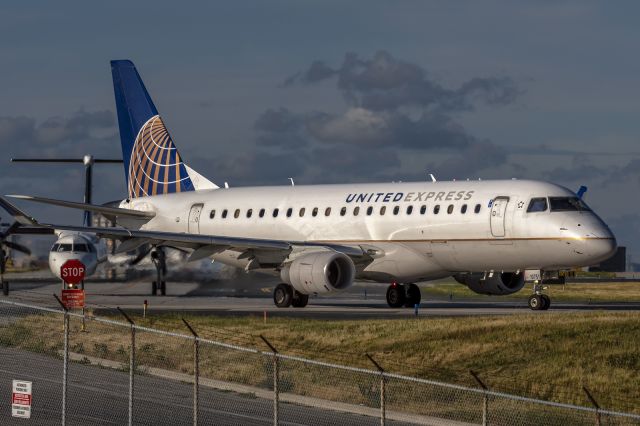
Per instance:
(494,233)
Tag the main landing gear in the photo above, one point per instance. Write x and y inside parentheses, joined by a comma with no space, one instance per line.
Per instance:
(159,260)
(284,296)
(3,263)
(539,301)
(399,295)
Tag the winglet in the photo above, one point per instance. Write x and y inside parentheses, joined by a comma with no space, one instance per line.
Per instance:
(21,217)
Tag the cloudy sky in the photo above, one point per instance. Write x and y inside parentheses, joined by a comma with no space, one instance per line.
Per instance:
(256,92)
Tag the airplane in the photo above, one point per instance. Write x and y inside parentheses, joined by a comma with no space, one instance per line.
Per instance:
(321,238)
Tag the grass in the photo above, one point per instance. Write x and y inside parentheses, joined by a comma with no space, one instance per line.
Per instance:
(571,292)
(549,356)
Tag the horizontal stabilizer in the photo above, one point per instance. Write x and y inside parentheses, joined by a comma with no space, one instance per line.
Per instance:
(106,211)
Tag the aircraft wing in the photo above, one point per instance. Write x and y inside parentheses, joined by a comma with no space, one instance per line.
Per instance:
(266,251)
(109,212)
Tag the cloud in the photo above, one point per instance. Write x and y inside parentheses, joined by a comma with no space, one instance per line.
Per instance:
(84,132)
(386,83)
(391,107)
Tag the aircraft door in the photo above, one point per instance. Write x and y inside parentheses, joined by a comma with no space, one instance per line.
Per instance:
(498,216)
(194,218)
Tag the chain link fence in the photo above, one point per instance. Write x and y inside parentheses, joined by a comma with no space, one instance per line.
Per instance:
(93,370)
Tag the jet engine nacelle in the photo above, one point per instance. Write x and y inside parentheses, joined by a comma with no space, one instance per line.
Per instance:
(319,272)
(498,284)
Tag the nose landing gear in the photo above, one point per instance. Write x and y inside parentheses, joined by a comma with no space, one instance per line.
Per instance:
(539,301)
(399,295)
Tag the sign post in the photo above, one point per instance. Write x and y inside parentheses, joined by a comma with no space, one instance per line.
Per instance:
(21,399)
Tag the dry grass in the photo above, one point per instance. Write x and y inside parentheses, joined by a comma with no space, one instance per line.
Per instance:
(549,356)
(571,292)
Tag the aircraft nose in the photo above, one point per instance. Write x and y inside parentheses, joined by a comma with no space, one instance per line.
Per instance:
(601,243)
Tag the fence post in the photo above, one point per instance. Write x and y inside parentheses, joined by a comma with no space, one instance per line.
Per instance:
(196,370)
(65,361)
(485,399)
(383,408)
(132,362)
(595,404)
(276,380)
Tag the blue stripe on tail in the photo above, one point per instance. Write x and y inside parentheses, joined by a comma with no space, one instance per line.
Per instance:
(152,162)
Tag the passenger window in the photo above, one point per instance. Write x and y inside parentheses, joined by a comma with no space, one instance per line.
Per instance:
(356,211)
(301,214)
(369,211)
(314,213)
(261,213)
(236,214)
(450,209)
(396,210)
(249,212)
(343,211)
(436,209)
(409,209)
(212,214)
(477,209)
(383,209)
(289,212)
(463,209)
(224,213)
(423,209)
(275,212)
(327,211)
(537,205)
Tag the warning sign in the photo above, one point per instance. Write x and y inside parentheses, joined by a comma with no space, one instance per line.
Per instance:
(73,298)
(21,399)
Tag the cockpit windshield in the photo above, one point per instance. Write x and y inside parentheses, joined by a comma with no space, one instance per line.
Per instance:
(537,205)
(568,204)
(80,248)
(63,247)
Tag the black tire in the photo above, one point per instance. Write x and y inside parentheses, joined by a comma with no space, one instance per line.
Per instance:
(154,289)
(163,288)
(299,300)
(412,296)
(283,295)
(5,288)
(546,302)
(395,296)
(535,302)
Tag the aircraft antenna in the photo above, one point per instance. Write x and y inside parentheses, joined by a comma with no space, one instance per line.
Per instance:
(292,182)
(433,178)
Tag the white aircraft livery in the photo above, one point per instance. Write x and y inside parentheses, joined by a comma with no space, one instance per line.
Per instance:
(320,238)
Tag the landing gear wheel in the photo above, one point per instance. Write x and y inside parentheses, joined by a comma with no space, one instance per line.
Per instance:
(536,302)
(5,288)
(299,300)
(412,295)
(154,288)
(283,295)
(395,295)
(163,288)
(547,302)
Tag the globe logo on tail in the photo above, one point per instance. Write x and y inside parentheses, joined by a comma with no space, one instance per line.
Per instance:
(155,166)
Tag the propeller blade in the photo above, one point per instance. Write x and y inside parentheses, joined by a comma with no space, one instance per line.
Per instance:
(10,230)
(18,247)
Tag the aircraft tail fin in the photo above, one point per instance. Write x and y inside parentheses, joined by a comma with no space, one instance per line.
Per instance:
(152,163)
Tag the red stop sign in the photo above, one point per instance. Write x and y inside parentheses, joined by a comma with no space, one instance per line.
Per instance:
(72,271)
